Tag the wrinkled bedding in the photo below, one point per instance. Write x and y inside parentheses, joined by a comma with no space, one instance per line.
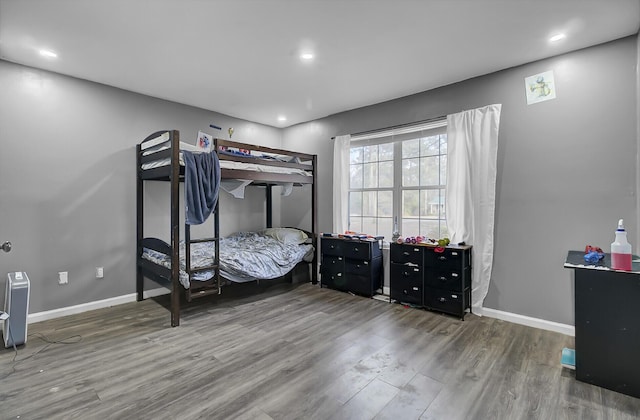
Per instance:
(244,256)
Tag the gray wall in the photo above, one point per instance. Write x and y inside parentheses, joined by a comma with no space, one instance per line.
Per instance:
(567,171)
(67,181)
(566,167)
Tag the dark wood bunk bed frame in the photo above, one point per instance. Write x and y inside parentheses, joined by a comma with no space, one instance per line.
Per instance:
(174,174)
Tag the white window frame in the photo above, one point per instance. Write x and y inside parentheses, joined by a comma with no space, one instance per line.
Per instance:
(396,136)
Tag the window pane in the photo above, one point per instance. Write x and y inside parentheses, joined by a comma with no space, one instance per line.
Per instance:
(385,174)
(443,144)
(355,203)
(410,203)
(369,225)
(355,155)
(410,172)
(410,148)
(385,204)
(430,205)
(369,203)
(443,170)
(385,151)
(429,171)
(430,228)
(410,227)
(370,175)
(355,224)
(371,153)
(444,230)
(430,146)
(385,226)
(355,180)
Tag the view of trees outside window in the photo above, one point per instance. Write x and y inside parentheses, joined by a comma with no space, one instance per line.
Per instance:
(403,179)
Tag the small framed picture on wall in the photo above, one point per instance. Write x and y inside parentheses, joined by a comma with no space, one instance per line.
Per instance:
(540,87)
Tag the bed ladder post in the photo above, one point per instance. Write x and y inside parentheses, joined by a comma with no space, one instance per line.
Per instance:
(175,229)
(269,205)
(139,226)
(216,228)
(314,220)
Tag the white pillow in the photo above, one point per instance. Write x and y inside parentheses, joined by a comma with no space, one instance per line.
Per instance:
(287,235)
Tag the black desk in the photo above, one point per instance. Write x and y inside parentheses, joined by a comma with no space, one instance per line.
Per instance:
(607,323)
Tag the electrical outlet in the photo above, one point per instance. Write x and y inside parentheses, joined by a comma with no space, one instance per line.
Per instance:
(63,277)
(99,272)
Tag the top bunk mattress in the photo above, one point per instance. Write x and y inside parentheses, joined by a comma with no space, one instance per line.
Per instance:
(158,146)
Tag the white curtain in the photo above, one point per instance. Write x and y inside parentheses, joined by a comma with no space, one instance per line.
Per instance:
(472,144)
(341,182)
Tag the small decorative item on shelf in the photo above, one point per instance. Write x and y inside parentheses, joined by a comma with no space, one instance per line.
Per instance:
(396,233)
(593,254)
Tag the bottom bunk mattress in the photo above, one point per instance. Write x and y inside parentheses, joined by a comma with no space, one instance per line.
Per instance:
(244,256)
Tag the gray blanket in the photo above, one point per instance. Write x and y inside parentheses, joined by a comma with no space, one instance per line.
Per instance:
(201,184)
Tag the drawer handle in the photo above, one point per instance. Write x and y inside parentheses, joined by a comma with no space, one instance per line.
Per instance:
(355,249)
(404,273)
(454,253)
(405,253)
(442,258)
(442,300)
(332,246)
(442,278)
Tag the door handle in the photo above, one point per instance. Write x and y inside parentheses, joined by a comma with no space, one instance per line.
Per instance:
(6,247)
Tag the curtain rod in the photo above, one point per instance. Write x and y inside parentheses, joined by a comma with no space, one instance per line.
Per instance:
(361,133)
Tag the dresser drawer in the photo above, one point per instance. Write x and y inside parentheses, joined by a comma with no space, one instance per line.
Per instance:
(451,257)
(361,285)
(357,250)
(409,291)
(332,264)
(357,267)
(333,280)
(446,301)
(405,272)
(331,246)
(406,254)
(449,279)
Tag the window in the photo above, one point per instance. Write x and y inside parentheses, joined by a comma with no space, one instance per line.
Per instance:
(399,175)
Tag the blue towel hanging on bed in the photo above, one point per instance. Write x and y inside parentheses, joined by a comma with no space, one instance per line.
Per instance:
(201,183)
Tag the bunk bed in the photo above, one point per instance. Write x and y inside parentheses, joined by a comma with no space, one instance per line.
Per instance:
(179,265)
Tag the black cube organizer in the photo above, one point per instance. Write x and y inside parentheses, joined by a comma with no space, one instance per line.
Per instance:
(607,324)
(351,265)
(440,281)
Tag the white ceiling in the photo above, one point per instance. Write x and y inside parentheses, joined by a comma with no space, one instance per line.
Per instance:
(241,57)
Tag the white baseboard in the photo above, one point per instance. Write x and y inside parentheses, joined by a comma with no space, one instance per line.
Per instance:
(386,290)
(543,324)
(90,306)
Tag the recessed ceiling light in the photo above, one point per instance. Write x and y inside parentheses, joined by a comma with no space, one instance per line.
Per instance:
(306,56)
(47,53)
(557,37)
(282,118)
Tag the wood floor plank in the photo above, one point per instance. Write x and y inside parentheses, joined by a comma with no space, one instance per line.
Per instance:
(412,399)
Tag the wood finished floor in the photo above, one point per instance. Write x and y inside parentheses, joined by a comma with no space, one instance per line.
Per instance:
(295,352)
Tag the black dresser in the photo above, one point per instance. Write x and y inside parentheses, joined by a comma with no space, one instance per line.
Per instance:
(423,276)
(351,265)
